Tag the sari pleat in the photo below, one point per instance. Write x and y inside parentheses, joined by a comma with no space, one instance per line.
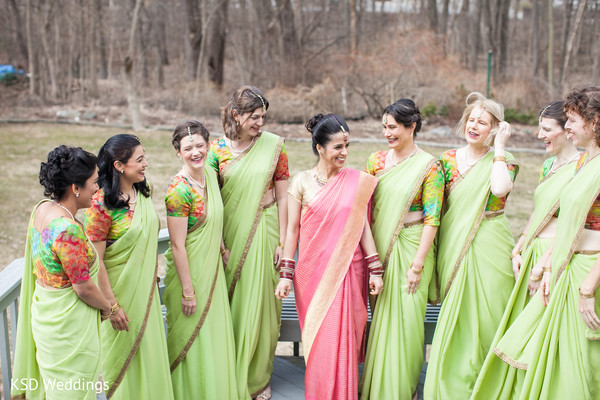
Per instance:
(201,346)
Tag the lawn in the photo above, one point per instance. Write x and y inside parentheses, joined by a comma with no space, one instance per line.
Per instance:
(24,146)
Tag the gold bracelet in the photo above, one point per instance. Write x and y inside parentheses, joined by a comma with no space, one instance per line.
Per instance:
(547,268)
(534,279)
(114,308)
(280,245)
(188,298)
(522,234)
(223,251)
(500,158)
(513,255)
(586,295)
(415,271)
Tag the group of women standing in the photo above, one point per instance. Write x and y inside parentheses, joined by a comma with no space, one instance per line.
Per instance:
(409,230)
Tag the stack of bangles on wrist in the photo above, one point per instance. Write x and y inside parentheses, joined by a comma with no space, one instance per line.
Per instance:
(534,278)
(287,268)
(586,295)
(374,265)
(113,310)
(223,251)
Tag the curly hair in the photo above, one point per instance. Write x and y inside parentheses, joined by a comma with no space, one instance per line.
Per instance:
(117,148)
(246,99)
(64,167)
(585,101)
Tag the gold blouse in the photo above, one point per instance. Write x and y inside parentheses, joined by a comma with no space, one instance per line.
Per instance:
(304,187)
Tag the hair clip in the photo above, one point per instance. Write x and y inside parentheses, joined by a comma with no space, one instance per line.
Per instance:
(190,134)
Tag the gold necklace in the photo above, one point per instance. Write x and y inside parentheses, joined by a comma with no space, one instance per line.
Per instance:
(320,180)
(241,151)
(555,167)
(394,163)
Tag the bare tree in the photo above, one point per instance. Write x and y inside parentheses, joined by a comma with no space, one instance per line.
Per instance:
(129,70)
(569,51)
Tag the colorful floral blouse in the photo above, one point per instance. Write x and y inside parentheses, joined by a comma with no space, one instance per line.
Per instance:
(592,220)
(546,167)
(431,194)
(183,200)
(219,156)
(104,224)
(61,253)
(451,173)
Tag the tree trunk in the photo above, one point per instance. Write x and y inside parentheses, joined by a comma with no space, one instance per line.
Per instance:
(353,33)
(215,44)
(596,53)
(551,47)
(502,57)
(289,46)
(130,69)
(31,41)
(569,53)
(93,49)
(535,38)
(101,40)
(475,35)
(432,16)
(193,40)
(46,30)
(566,30)
(18,26)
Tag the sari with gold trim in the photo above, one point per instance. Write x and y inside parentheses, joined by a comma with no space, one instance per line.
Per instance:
(395,347)
(560,353)
(201,346)
(251,233)
(66,348)
(475,272)
(330,285)
(135,364)
(498,379)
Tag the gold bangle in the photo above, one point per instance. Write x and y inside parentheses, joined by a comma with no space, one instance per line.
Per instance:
(223,251)
(188,298)
(500,158)
(586,295)
(522,234)
(534,279)
(513,255)
(415,271)
(547,268)
(280,245)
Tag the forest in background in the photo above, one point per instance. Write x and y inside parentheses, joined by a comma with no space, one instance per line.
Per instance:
(348,56)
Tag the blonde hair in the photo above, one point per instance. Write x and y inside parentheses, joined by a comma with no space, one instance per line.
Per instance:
(244,100)
(495,109)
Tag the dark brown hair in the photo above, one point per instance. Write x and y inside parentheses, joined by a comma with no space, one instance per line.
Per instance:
(244,100)
(186,128)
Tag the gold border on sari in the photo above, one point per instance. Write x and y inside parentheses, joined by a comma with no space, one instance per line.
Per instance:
(259,211)
(236,159)
(510,361)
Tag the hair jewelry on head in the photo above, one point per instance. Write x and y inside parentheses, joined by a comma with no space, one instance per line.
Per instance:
(480,113)
(385,119)
(264,107)
(542,113)
(342,127)
(190,134)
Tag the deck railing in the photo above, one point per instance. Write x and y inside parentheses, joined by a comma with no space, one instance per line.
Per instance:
(10,287)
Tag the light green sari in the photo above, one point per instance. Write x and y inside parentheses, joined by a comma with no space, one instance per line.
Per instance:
(498,379)
(561,355)
(251,233)
(395,347)
(135,364)
(57,352)
(475,273)
(201,346)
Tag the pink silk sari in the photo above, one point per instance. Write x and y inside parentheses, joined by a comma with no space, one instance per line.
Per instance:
(330,285)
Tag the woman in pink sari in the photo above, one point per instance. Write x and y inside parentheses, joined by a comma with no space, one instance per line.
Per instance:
(327,208)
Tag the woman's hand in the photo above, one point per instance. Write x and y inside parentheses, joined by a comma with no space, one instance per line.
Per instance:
(225,256)
(283,289)
(517,261)
(413,276)
(120,320)
(375,284)
(277,257)
(534,282)
(188,307)
(587,308)
(502,135)
(545,287)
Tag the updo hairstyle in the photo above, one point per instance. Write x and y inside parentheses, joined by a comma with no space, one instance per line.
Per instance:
(405,112)
(181,131)
(66,166)
(323,127)
(493,107)
(117,148)
(244,100)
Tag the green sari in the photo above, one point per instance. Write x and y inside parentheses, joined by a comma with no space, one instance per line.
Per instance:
(476,279)
(498,379)
(63,362)
(560,353)
(201,346)
(135,364)
(251,233)
(395,347)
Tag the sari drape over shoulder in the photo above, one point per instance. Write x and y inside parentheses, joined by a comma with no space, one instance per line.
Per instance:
(475,275)
(201,346)
(251,233)
(497,379)
(330,285)
(395,347)
(560,353)
(63,361)
(135,364)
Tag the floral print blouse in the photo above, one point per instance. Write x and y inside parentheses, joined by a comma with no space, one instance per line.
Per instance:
(61,253)
(104,224)
(431,194)
(183,200)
